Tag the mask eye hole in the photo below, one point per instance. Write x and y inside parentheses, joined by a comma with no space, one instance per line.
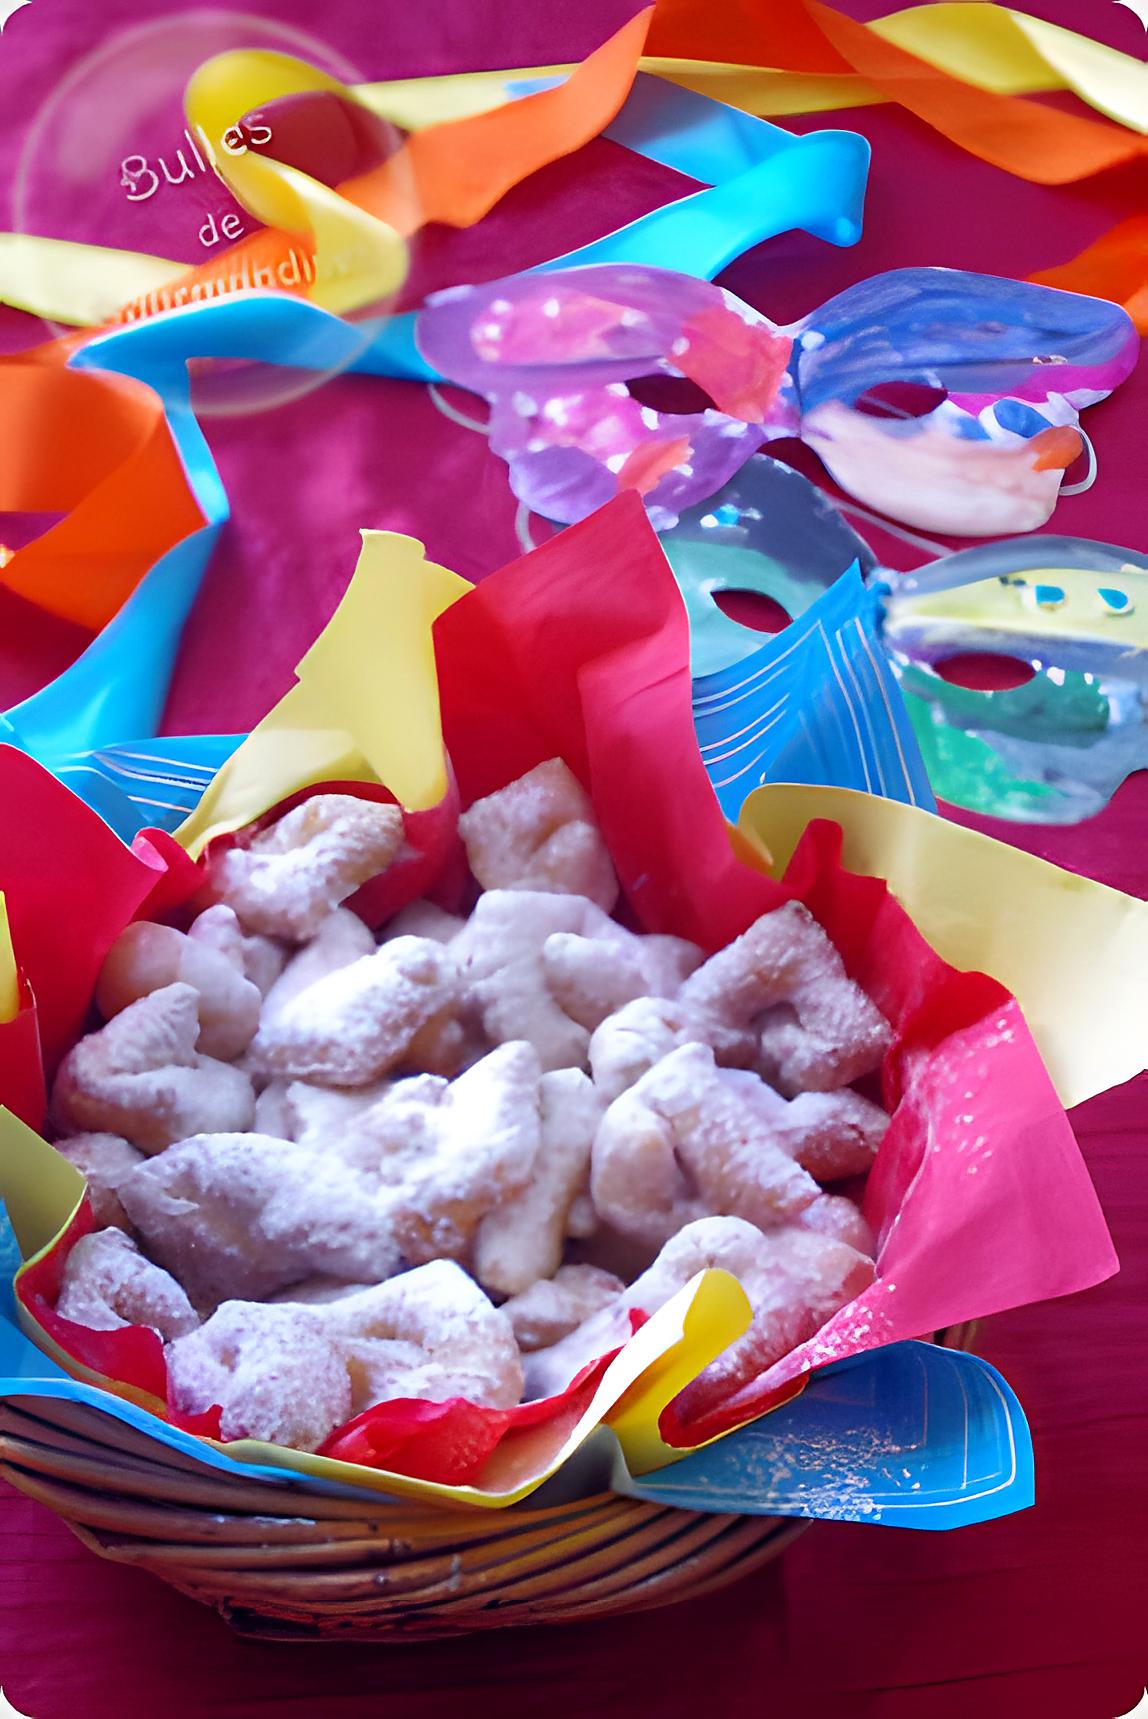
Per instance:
(675,395)
(985,671)
(900,400)
(753,609)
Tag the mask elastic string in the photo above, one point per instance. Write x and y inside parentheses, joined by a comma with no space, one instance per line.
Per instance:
(522,528)
(453,413)
(1087,481)
(847,505)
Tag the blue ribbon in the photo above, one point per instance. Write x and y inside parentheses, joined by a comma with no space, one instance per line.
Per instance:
(117,688)
(910,1436)
(760,181)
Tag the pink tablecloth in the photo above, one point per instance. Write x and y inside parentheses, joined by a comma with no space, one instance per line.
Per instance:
(1036,1615)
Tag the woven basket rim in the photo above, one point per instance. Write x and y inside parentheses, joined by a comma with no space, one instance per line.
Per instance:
(283,1564)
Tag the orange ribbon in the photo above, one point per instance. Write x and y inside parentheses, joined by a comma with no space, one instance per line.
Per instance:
(96,448)
(456,172)
(1115,267)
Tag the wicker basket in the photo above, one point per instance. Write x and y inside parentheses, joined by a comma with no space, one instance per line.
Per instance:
(341,1570)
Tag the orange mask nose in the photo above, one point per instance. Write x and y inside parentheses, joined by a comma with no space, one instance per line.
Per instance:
(1056,448)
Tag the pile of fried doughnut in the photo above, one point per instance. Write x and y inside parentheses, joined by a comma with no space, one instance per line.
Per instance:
(331,1169)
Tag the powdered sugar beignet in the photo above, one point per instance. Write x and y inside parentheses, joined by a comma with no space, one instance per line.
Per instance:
(291,875)
(539,833)
(355,1024)
(145,958)
(142,1078)
(533,1105)
(108,1284)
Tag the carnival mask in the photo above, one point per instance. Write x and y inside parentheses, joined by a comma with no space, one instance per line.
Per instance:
(615,376)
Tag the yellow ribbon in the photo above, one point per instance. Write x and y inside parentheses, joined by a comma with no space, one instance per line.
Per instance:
(365,705)
(357,257)
(82,285)
(360,259)
(9,977)
(1074,953)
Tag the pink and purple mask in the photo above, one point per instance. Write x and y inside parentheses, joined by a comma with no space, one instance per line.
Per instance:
(615,376)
